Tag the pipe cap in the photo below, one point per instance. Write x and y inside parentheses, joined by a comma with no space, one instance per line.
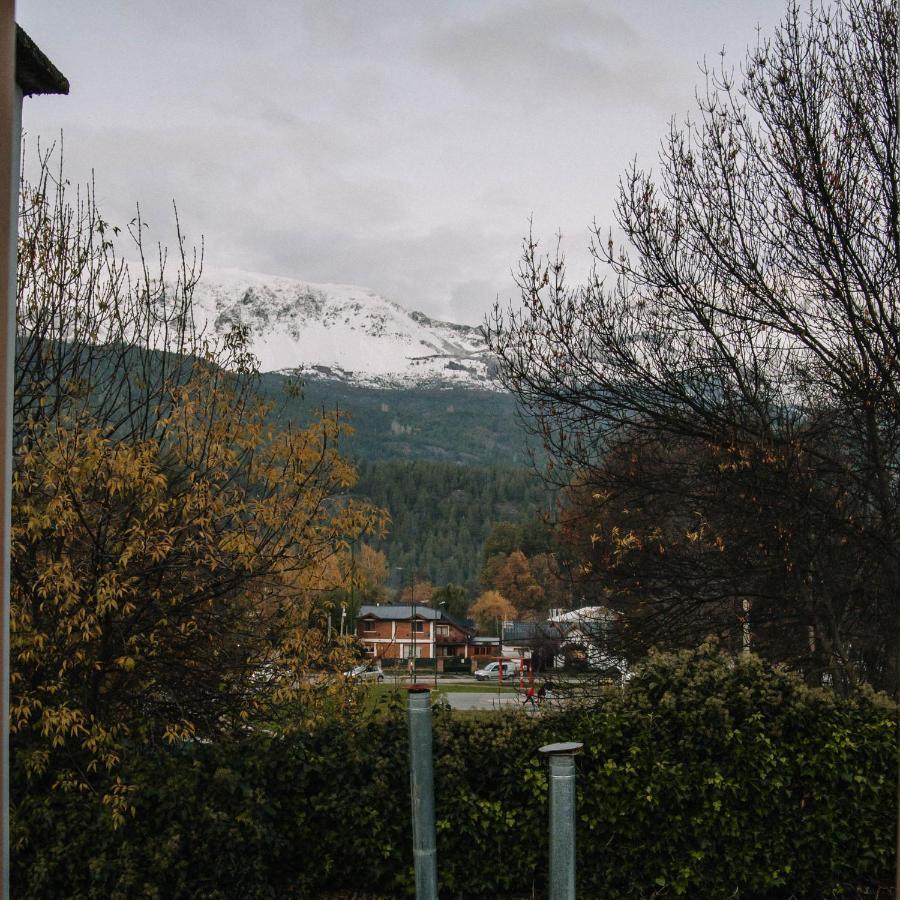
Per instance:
(567,747)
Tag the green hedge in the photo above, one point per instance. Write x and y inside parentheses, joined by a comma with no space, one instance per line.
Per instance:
(457,664)
(705,778)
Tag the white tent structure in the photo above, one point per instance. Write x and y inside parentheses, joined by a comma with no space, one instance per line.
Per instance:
(584,633)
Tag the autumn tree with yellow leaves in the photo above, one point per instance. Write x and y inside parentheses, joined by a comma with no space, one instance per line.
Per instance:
(169,543)
(490,608)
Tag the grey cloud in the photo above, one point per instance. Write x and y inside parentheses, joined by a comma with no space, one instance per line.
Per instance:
(451,272)
(476,295)
(542,54)
(400,145)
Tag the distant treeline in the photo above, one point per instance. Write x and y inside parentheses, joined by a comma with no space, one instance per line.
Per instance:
(429,423)
(443,513)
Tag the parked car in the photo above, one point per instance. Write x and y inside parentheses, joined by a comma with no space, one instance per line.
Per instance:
(492,670)
(366,672)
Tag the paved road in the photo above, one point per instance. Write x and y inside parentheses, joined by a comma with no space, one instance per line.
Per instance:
(481,700)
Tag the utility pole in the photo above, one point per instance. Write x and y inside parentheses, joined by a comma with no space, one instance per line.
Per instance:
(412,621)
(441,603)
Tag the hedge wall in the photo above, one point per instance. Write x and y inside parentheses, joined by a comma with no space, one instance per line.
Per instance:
(705,778)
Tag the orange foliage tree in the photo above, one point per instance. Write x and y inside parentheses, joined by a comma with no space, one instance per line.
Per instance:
(515,582)
(421,591)
(490,607)
(168,542)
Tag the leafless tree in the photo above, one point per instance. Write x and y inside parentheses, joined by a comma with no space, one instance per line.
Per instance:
(749,327)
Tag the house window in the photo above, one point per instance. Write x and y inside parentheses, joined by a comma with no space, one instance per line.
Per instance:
(418,626)
(442,630)
(368,624)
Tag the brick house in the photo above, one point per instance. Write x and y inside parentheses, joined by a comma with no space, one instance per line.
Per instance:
(399,632)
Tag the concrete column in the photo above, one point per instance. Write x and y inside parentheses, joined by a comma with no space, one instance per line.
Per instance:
(10,143)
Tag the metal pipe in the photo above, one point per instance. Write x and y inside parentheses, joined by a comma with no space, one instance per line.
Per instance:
(421,789)
(562,819)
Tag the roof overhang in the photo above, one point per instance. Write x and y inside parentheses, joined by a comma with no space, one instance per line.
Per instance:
(35,74)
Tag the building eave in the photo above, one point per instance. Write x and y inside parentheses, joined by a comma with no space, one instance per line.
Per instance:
(35,74)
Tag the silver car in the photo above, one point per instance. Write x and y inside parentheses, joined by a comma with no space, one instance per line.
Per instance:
(366,672)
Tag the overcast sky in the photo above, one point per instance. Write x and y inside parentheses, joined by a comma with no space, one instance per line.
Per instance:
(401,144)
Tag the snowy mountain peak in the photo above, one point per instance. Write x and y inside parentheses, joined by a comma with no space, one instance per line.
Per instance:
(340,331)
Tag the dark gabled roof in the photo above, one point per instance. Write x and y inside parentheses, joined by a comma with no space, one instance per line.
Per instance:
(461,624)
(403,612)
(529,631)
(35,74)
(399,613)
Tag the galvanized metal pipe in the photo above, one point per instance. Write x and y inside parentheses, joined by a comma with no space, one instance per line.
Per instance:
(421,787)
(562,819)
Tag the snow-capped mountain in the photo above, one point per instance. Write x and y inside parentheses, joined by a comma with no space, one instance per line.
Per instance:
(339,331)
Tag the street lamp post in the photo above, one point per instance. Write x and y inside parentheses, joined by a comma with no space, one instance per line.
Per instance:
(434,642)
(412,621)
(421,784)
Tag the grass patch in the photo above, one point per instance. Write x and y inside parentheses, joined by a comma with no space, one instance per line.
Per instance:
(380,694)
(386,688)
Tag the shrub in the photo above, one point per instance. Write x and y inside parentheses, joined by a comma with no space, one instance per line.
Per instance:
(706,777)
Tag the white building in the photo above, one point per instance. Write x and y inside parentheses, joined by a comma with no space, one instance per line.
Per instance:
(585,634)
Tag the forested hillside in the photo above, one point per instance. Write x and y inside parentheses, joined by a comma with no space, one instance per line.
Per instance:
(447,464)
(454,425)
(442,513)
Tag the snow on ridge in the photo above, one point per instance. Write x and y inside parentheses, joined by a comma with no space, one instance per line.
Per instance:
(341,331)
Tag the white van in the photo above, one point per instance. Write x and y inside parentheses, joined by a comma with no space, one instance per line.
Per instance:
(492,670)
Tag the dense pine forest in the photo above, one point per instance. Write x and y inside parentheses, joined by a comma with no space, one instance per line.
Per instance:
(454,425)
(442,513)
(447,464)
